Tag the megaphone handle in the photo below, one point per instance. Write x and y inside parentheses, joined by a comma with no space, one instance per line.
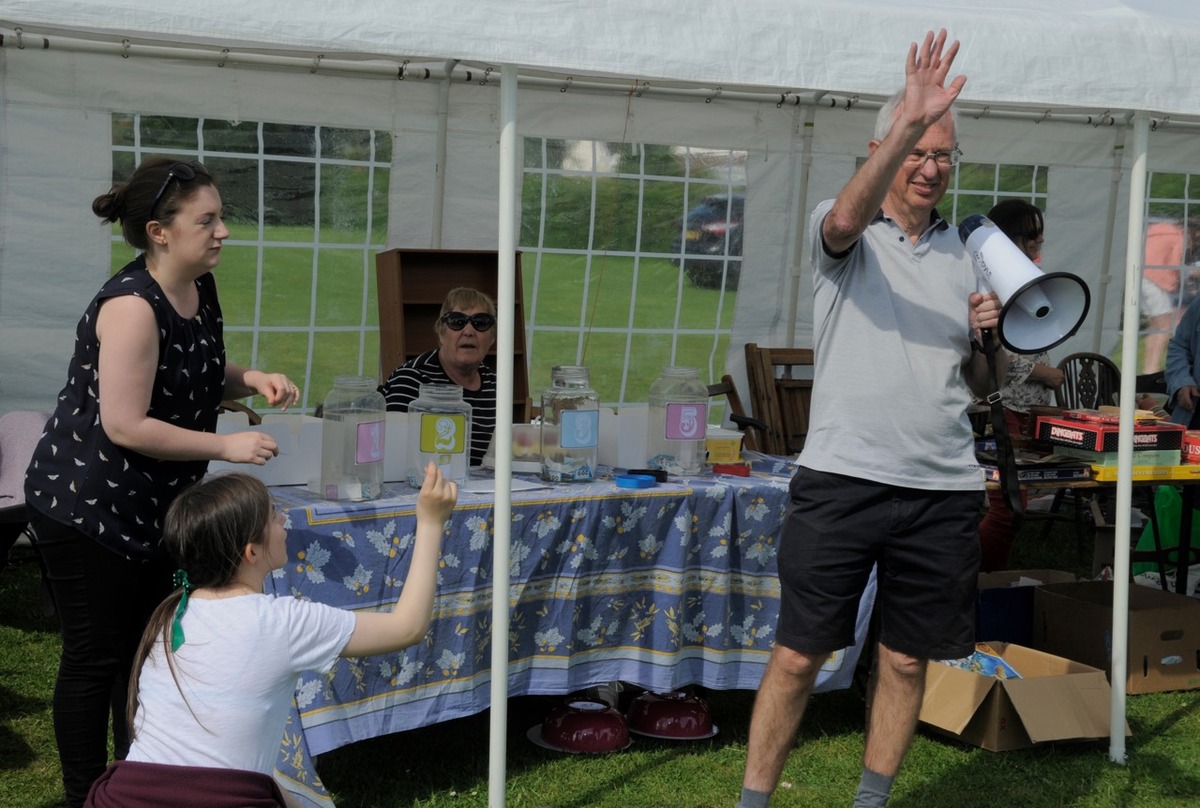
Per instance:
(1010,484)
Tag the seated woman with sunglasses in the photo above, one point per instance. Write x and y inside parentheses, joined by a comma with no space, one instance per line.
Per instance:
(134,425)
(465,335)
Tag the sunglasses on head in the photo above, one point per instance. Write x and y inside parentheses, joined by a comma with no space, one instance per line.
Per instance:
(184,172)
(457,321)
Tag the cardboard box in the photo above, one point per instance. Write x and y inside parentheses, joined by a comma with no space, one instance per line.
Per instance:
(1055,700)
(1141,457)
(299,440)
(1075,621)
(1191,446)
(623,436)
(1004,604)
(1098,436)
(1180,471)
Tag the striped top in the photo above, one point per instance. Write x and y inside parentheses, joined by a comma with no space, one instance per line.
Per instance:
(404,385)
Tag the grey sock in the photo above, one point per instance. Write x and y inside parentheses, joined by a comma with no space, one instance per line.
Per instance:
(873,790)
(754,799)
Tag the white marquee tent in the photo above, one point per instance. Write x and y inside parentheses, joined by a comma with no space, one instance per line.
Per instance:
(1097,90)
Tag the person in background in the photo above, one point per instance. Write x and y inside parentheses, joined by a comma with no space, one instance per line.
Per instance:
(133,426)
(1031,380)
(1183,367)
(216,669)
(887,479)
(1161,304)
(465,333)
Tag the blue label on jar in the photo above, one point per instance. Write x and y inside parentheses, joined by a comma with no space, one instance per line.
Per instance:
(580,429)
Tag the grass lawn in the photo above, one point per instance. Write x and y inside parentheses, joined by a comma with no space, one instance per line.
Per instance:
(446,765)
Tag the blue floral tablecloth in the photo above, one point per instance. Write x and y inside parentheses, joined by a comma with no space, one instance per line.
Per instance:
(662,587)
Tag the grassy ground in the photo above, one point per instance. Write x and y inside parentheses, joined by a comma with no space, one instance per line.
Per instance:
(446,765)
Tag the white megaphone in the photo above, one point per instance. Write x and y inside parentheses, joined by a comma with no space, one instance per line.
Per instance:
(1040,310)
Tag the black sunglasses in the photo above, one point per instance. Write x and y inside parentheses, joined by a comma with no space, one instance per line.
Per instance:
(457,321)
(184,172)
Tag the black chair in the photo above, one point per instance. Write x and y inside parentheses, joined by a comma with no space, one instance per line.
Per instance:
(1090,380)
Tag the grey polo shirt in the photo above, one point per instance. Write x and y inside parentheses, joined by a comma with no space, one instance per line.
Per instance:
(891,333)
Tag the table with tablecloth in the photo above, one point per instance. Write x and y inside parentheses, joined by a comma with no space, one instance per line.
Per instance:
(662,587)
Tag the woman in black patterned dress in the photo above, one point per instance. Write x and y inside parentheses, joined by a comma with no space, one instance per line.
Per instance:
(134,425)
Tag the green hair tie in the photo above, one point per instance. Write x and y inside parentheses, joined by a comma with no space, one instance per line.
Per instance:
(180,580)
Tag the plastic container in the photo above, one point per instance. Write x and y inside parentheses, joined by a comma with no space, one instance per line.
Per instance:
(439,430)
(352,440)
(582,726)
(678,415)
(676,715)
(570,426)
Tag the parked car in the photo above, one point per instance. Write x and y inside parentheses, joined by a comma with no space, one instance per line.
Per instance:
(712,230)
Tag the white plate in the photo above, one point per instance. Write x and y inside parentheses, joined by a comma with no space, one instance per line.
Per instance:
(712,734)
(535,734)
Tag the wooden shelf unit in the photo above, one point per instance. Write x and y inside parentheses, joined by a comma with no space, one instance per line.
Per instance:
(411,287)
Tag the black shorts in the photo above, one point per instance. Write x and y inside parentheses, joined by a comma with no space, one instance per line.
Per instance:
(926,546)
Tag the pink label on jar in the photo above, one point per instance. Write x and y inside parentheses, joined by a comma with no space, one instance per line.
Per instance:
(368,447)
(686,421)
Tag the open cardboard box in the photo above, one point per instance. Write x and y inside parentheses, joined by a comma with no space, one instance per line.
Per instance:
(1075,620)
(1004,604)
(1055,700)
(299,440)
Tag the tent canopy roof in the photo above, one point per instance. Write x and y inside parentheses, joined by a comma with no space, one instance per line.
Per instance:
(1119,55)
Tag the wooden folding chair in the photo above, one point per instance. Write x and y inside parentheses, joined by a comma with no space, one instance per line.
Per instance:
(752,428)
(780,395)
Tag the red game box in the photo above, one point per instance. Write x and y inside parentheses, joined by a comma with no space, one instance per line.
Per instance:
(1191,446)
(1102,437)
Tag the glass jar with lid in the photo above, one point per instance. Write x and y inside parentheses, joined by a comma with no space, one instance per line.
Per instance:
(439,430)
(570,426)
(352,439)
(678,417)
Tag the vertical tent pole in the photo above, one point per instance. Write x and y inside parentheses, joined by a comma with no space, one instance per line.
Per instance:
(439,176)
(1129,337)
(801,224)
(1122,135)
(505,306)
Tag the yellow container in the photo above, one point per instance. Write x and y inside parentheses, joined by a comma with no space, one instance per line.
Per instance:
(724,445)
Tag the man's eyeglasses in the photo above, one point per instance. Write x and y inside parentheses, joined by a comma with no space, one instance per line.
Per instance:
(945,159)
(457,321)
(184,172)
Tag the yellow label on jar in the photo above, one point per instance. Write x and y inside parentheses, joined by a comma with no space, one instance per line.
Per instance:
(443,433)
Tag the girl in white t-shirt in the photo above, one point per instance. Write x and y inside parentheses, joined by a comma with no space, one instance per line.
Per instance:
(214,676)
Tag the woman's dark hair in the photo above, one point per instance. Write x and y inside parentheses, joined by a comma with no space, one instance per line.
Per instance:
(1017,218)
(206,529)
(153,188)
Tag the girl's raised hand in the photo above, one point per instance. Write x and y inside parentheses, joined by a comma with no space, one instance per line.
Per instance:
(438,495)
